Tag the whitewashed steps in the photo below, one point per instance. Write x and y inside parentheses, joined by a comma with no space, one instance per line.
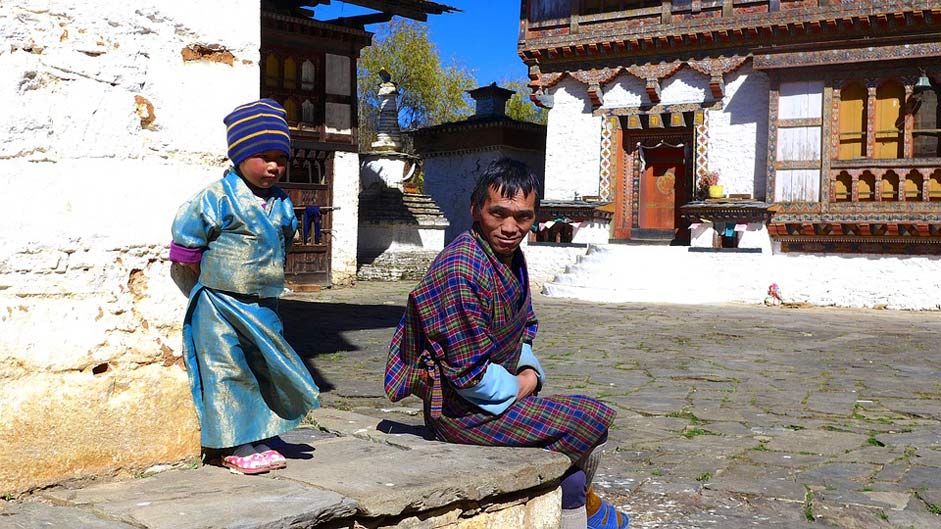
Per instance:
(663,274)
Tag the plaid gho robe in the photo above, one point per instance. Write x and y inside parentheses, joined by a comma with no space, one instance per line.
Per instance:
(469,311)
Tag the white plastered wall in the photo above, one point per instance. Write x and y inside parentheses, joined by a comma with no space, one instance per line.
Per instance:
(450,179)
(738,134)
(573,143)
(105,131)
(345,219)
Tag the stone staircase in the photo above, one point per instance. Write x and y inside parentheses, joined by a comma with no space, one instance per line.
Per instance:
(663,274)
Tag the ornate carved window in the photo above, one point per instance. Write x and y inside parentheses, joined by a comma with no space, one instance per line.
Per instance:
(307,75)
(888,136)
(934,186)
(889,187)
(843,187)
(865,187)
(307,111)
(914,183)
(927,129)
(290,108)
(540,10)
(852,122)
(272,71)
(290,73)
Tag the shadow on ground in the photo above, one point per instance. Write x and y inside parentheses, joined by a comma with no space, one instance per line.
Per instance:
(316,329)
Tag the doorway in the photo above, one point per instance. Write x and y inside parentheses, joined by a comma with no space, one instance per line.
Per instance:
(661,184)
(656,181)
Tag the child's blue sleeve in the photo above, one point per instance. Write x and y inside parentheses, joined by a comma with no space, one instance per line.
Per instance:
(289,226)
(197,221)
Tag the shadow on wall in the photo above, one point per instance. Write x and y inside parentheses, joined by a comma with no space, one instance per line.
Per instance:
(753,96)
(316,329)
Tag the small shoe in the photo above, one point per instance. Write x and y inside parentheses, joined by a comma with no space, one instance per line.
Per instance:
(603,515)
(274,459)
(251,464)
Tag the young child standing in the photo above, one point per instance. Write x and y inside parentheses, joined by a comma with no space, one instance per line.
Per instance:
(248,384)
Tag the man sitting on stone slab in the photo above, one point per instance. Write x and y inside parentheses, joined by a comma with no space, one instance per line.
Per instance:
(464,346)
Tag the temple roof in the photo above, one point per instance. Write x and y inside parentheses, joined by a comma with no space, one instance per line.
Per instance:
(414,9)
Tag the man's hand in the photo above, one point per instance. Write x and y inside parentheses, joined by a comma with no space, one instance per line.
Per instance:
(528,382)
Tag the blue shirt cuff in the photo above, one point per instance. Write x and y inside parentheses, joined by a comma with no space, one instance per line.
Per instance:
(528,359)
(495,392)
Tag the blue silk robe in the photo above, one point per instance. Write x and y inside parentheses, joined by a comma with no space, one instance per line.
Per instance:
(247,382)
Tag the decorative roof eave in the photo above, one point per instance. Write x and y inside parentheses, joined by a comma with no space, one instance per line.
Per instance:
(651,73)
(740,29)
(827,57)
(323,26)
(414,9)
(476,123)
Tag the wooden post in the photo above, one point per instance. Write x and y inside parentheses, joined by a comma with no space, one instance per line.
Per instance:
(573,18)
(727,8)
(666,12)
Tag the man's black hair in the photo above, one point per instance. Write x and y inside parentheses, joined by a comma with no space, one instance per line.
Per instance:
(509,177)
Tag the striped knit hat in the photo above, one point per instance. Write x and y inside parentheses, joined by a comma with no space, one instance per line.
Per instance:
(257,127)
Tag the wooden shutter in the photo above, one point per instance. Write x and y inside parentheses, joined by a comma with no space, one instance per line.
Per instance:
(799,120)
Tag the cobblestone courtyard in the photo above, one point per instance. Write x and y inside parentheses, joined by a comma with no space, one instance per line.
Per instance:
(729,416)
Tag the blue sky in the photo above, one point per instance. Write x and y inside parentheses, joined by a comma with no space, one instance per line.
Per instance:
(482,37)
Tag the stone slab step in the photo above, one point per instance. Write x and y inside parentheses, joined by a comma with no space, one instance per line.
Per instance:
(347,468)
(208,497)
(42,516)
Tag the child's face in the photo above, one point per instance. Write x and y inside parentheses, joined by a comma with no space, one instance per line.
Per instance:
(263,170)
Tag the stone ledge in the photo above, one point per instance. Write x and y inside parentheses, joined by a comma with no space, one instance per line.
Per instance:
(349,472)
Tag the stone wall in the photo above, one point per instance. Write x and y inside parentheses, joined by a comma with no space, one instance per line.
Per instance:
(112,117)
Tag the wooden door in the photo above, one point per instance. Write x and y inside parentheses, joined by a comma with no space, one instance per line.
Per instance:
(661,180)
(310,185)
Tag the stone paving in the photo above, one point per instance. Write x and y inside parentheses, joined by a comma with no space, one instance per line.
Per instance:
(729,416)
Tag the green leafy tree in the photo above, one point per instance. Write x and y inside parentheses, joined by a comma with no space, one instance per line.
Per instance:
(521,108)
(430,92)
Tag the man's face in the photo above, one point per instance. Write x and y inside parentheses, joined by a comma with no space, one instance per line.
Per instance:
(263,170)
(505,221)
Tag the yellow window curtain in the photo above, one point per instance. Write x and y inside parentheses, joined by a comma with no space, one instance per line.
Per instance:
(889,97)
(272,70)
(290,73)
(290,108)
(852,114)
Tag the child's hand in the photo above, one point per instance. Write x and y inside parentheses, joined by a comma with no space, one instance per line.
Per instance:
(185,275)
(192,266)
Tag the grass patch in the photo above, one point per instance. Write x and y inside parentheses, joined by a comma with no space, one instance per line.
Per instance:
(761,447)
(872,441)
(657,473)
(883,516)
(832,428)
(696,432)
(809,504)
(705,476)
(932,508)
(909,452)
(685,414)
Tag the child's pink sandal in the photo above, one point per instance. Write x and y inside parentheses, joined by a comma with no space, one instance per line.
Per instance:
(274,459)
(251,464)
